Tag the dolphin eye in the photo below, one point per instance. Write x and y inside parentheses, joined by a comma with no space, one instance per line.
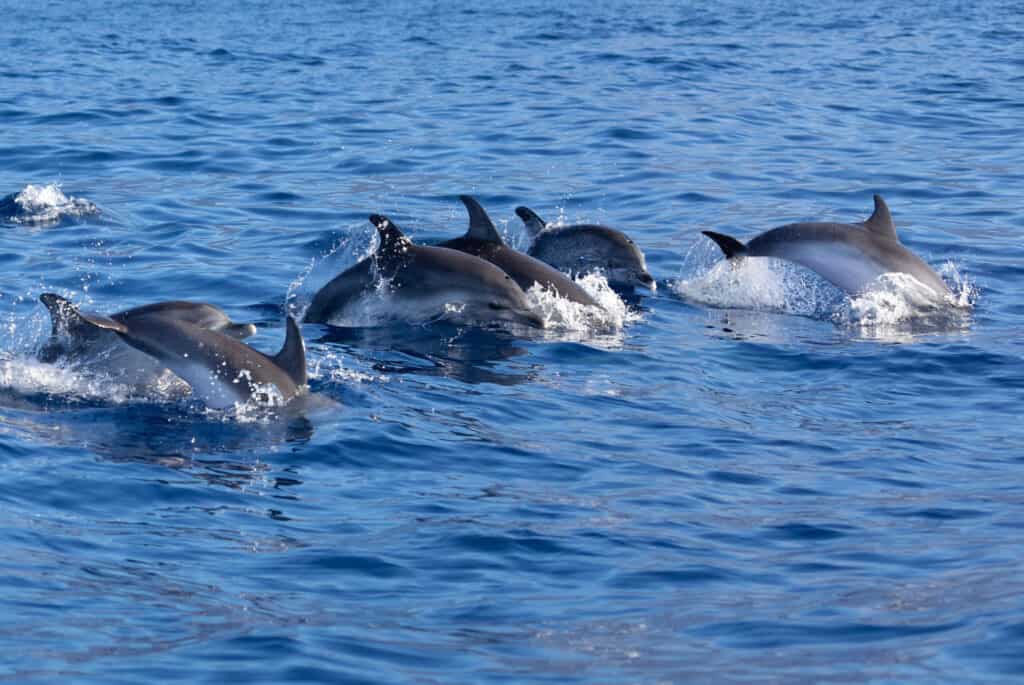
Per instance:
(497,307)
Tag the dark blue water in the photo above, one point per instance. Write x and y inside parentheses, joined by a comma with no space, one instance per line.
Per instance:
(747,478)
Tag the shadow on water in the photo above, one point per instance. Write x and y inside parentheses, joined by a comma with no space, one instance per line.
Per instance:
(160,425)
(439,349)
(216,450)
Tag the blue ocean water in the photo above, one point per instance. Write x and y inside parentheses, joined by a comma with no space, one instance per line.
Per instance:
(744,477)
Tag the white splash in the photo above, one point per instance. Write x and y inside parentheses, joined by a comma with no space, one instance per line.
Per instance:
(27,376)
(563,315)
(761,285)
(46,204)
(897,298)
(343,254)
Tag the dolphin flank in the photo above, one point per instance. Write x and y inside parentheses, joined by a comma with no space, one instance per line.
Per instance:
(850,256)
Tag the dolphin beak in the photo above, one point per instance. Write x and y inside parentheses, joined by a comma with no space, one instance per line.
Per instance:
(531,318)
(647,281)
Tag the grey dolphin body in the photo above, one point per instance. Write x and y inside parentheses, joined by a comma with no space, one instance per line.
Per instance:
(582,248)
(422,282)
(483,240)
(74,339)
(851,256)
(219,369)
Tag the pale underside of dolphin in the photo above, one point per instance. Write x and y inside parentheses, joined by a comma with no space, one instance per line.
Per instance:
(850,256)
(420,283)
(220,370)
(483,240)
(583,248)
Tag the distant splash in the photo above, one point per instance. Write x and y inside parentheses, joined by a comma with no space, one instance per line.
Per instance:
(42,205)
(897,303)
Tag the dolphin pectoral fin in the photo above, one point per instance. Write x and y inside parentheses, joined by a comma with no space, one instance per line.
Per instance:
(730,246)
(534,224)
(880,222)
(67,318)
(239,331)
(292,357)
(480,225)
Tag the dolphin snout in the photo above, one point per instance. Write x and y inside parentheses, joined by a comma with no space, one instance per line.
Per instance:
(532,318)
(647,281)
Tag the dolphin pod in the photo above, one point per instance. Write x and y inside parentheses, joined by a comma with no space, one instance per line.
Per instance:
(850,256)
(475,278)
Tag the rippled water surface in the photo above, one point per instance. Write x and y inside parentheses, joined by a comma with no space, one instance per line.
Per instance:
(743,477)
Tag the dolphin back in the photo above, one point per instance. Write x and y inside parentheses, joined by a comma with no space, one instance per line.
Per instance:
(197,313)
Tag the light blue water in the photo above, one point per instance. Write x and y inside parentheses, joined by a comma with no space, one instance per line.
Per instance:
(784,487)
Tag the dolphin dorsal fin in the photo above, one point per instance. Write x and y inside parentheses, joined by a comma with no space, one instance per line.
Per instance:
(292,357)
(394,245)
(880,222)
(534,224)
(480,225)
(66,318)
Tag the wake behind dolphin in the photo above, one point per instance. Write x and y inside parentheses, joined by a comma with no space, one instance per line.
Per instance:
(850,256)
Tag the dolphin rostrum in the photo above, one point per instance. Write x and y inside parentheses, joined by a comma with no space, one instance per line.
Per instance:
(421,283)
(581,248)
(851,256)
(483,240)
(220,370)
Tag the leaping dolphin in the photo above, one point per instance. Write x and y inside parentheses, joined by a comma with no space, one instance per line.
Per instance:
(851,256)
(74,339)
(423,282)
(483,240)
(582,248)
(220,370)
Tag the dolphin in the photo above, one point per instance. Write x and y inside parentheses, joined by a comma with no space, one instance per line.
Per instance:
(423,282)
(582,248)
(483,240)
(850,256)
(73,339)
(220,369)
